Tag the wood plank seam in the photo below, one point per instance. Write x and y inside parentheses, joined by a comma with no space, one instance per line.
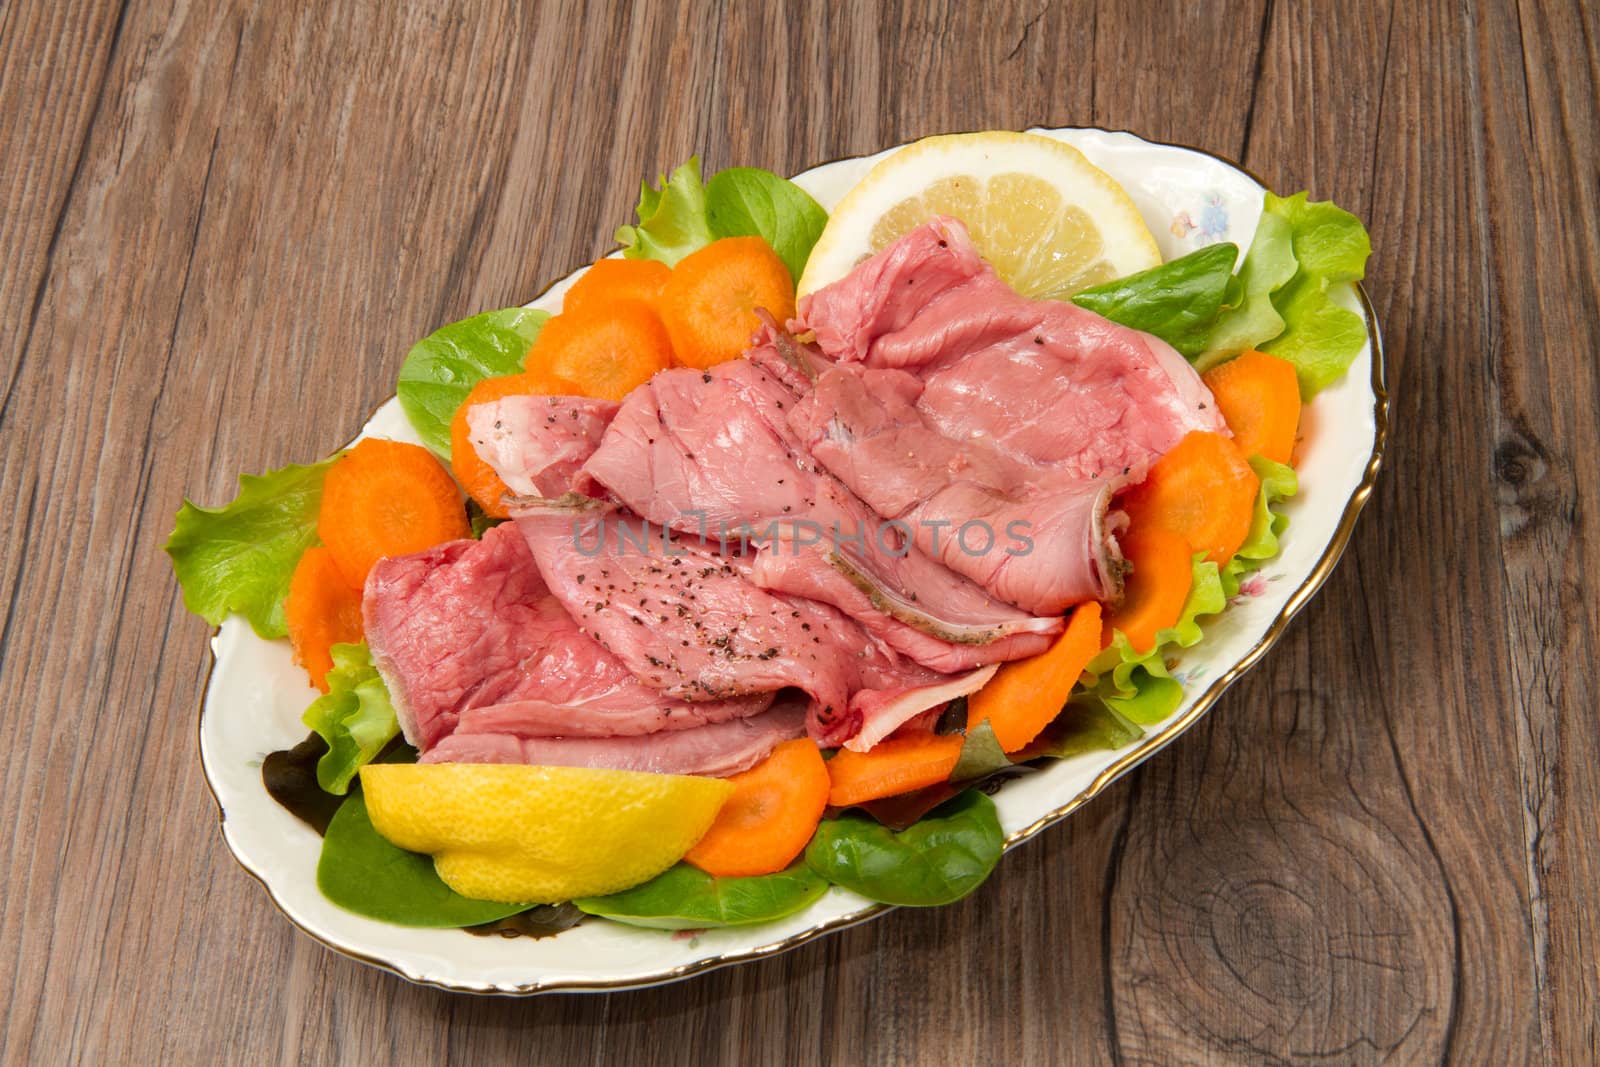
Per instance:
(61,214)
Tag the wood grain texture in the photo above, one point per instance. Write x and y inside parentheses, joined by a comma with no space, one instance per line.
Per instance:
(221,225)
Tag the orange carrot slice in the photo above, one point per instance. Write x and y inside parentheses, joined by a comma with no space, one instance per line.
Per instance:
(1260,400)
(774,810)
(605,351)
(477,477)
(897,765)
(1202,489)
(609,281)
(1155,591)
(322,610)
(385,498)
(1027,694)
(709,304)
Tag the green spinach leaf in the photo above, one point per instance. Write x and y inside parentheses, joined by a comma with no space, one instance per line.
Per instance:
(441,369)
(748,201)
(363,873)
(941,858)
(686,898)
(239,558)
(1177,301)
(354,717)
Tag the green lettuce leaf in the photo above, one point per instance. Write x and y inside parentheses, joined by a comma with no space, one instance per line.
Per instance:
(1086,724)
(441,369)
(1278,483)
(355,717)
(939,859)
(239,558)
(750,202)
(1296,279)
(672,219)
(686,898)
(1140,686)
(1320,337)
(1252,320)
(1177,301)
(684,215)
(1329,242)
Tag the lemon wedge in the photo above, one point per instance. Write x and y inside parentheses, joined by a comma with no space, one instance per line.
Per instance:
(539,835)
(1048,220)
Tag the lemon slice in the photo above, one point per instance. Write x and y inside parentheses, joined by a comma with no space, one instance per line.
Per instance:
(1048,220)
(536,835)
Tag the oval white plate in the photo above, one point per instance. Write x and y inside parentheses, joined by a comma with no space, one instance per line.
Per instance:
(256,695)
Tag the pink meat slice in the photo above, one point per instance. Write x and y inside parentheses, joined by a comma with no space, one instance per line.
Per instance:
(814,572)
(689,622)
(1033,537)
(713,454)
(718,749)
(537,443)
(468,630)
(955,400)
(685,619)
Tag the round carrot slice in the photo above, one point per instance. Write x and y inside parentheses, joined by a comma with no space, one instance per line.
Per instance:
(322,610)
(609,281)
(1259,398)
(770,817)
(606,351)
(1203,490)
(477,477)
(709,304)
(386,498)
(1153,597)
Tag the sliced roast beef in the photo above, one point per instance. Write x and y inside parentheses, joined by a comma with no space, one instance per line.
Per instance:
(951,642)
(955,402)
(537,443)
(683,617)
(719,749)
(689,621)
(1030,535)
(885,710)
(713,454)
(469,629)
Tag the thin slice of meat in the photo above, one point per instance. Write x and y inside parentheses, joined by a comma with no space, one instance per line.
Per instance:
(627,710)
(883,711)
(537,443)
(1030,535)
(712,454)
(717,750)
(690,622)
(467,626)
(685,619)
(949,645)
(955,402)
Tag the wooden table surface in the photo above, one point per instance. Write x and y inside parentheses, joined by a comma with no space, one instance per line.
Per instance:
(221,226)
